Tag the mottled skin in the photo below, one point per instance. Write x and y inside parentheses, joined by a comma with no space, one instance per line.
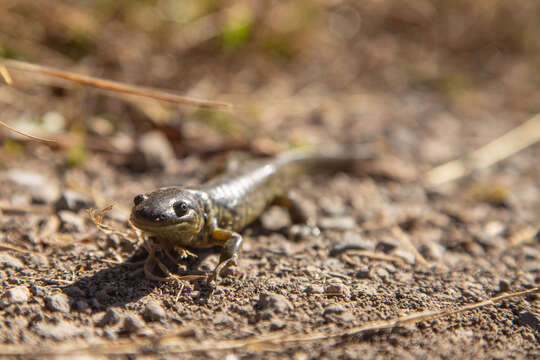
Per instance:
(212,214)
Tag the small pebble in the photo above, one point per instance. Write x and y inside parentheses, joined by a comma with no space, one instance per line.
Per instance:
(58,302)
(432,250)
(504,286)
(73,201)
(60,330)
(133,323)
(333,309)
(530,319)
(39,291)
(277,324)
(111,317)
(222,319)
(8,261)
(363,273)
(337,223)
(351,241)
(153,151)
(71,222)
(110,334)
(41,189)
(18,295)
(314,289)
(276,302)
(153,311)
(382,274)
(408,256)
(387,245)
(337,289)
(81,305)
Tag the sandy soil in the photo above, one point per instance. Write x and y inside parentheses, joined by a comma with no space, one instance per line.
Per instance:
(391,247)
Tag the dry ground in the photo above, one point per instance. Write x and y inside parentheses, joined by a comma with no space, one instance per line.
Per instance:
(390,245)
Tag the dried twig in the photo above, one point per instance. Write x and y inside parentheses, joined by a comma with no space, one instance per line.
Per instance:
(31,137)
(508,144)
(115,86)
(8,247)
(4,73)
(406,241)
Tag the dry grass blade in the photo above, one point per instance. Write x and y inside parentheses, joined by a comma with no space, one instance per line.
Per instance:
(31,137)
(20,209)
(7,247)
(97,215)
(406,241)
(508,144)
(408,319)
(116,86)
(5,75)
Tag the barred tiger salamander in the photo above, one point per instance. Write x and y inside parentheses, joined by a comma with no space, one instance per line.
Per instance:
(214,213)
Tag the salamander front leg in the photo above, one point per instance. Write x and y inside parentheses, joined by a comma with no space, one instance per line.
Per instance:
(231,243)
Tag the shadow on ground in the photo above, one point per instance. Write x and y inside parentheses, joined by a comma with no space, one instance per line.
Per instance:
(125,283)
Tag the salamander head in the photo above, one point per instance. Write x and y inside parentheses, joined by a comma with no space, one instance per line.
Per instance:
(169,212)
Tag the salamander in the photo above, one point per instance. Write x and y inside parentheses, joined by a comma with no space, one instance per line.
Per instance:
(214,213)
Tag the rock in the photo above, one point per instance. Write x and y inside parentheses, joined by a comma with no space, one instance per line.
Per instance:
(277,324)
(222,319)
(153,152)
(17,295)
(337,223)
(276,302)
(314,289)
(110,334)
(41,189)
(387,245)
(153,311)
(337,289)
(62,330)
(363,273)
(81,305)
(111,317)
(504,286)
(408,256)
(351,241)
(8,261)
(39,291)
(71,222)
(39,260)
(382,273)
(73,201)
(333,309)
(58,302)
(530,319)
(133,323)
(531,266)
(432,250)
(332,206)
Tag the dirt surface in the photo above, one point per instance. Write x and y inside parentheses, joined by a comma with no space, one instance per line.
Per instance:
(390,246)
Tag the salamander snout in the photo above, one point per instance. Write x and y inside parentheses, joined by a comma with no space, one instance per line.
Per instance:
(139,199)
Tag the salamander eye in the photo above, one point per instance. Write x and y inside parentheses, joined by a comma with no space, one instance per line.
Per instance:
(139,199)
(180,208)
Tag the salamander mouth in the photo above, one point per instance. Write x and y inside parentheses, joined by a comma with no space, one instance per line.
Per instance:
(185,224)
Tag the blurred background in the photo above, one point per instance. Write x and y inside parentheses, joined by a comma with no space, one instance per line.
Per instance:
(298,72)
